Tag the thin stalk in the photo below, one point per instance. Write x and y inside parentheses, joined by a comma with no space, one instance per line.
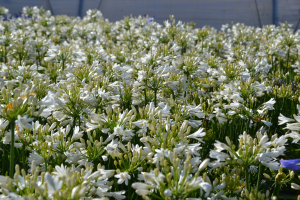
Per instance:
(247,179)
(145,94)
(260,172)
(5,55)
(12,149)
(288,57)
(46,165)
(287,64)
(272,63)
(63,65)
(276,190)
(74,124)
(23,157)
(155,103)
(3,159)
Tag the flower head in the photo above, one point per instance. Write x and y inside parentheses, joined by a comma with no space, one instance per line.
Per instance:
(293,164)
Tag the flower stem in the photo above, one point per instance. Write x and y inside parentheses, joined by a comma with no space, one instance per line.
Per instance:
(12,149)
(247,179)
(24,157)
(46,165)
(145,96)
(260,171)
(155,92)
(276,190)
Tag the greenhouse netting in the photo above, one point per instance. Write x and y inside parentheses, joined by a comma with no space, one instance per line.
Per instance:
(207,12)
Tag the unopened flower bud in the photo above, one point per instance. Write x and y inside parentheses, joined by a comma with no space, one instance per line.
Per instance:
(228,140)
(267,176)
(267,193)
(292,174)
(204,164)
(156,172)
(167,193)
(224,146)
(295,186)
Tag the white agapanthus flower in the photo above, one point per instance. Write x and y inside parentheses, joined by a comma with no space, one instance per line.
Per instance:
(123,177)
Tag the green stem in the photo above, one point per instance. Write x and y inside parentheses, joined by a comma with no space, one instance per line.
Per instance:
(260,172)
(288,57)
(23,157)
(63,65)
(3,159)
(276,190)
(247,179)
(155,92)
(12,149)
(74,124)
(145,94)
(46,166)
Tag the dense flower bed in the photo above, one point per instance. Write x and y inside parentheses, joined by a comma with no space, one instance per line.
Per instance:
(136,109)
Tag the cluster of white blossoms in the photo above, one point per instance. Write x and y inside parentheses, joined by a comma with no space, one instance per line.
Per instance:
(92,109)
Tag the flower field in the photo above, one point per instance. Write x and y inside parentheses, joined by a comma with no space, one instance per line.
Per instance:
(134,109)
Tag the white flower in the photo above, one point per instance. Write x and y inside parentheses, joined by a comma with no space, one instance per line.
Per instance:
(206,186)
(91,127)
(220,156)
(77,135)
(253,169)
(270,104)
(36,158)
(267,159)
(266,123)
(3,124)
(62,171)
(282,119)
(112,146)
(123,176)
(221,146)
(7,137)
(295,135)
(77,192)
(118,130)
(197,135)
(23,122)
(53,184)
(104,158)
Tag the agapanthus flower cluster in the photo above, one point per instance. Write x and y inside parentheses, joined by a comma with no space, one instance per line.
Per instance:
(93,109)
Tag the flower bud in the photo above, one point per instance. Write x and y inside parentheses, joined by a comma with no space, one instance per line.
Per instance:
(224,146)
(292,174)
(228,140)
(267,193)
(156,172)
(167,193)
(204,164)
(295,186)
(267,176)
